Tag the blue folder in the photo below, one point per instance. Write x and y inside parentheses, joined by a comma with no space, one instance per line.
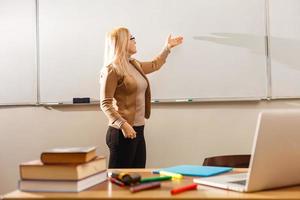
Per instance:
(195,170)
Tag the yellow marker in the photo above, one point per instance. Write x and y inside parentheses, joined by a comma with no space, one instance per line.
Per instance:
(174,175)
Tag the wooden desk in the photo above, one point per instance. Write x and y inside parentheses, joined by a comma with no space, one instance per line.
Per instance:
(107,190)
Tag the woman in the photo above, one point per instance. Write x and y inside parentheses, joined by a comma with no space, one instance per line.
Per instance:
(125,97)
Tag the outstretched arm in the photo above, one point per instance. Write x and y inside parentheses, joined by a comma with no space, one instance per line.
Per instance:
(156,63)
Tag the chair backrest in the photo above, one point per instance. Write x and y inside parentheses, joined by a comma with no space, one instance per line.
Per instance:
(236,161)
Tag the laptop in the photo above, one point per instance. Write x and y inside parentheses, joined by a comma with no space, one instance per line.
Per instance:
(275,158)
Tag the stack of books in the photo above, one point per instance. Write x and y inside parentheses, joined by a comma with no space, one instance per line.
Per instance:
(63,170)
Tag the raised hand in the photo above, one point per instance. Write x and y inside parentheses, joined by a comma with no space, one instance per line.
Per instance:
(173,42)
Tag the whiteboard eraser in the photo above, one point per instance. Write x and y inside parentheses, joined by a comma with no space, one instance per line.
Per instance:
(82,100)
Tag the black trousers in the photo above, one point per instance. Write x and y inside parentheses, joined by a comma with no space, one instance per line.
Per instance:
(126,152)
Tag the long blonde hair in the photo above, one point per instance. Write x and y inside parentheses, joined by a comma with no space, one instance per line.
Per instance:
(116,49)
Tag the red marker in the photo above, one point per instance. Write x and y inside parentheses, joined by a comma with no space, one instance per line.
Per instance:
(184,188)
(117,182)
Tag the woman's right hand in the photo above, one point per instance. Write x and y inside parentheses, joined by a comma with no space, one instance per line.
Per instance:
(128,131)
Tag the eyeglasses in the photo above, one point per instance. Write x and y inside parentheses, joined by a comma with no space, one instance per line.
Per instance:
(132,38)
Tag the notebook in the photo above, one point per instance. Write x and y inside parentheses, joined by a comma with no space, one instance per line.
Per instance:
(195,170)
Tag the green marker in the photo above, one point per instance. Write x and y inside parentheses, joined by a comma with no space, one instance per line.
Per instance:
(157,178)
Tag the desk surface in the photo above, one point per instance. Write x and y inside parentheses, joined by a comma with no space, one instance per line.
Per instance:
(107,190)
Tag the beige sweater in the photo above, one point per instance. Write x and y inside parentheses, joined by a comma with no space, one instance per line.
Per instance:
(123,89)
(142,85)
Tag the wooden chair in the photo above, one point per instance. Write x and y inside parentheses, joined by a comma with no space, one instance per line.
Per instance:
(236,161)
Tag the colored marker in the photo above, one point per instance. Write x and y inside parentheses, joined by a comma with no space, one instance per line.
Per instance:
(157,178)
(174,175)
(144,186)
(117,182)
(184,188)
(184,100)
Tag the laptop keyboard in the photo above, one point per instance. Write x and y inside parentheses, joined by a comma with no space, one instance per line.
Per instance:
(241,182)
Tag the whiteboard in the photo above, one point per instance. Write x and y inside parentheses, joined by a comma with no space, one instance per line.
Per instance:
(285,48)
(18,69)
(223,55)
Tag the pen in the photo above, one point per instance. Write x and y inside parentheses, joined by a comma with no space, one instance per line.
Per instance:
(117,182)
(157,178)
(174,175)
(184,188)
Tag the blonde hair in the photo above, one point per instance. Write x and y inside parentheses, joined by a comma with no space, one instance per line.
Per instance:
(116,49)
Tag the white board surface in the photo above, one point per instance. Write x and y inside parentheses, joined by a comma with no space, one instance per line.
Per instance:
(285,48)
(18,69)
(223,55)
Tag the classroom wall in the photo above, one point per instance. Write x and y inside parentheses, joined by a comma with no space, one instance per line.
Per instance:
(177,133)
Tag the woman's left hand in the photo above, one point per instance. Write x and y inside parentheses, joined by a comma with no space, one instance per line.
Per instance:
(173,42)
